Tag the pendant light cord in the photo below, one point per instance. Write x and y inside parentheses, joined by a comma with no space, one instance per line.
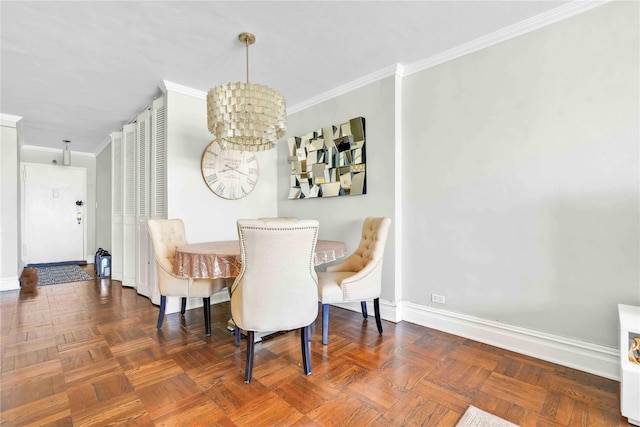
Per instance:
(246,43)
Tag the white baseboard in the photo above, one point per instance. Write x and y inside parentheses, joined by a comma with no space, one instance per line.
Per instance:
(588,357)
(129,282)
(9,283)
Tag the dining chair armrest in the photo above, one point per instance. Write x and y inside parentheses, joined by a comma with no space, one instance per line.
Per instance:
(364,284)
(351,263)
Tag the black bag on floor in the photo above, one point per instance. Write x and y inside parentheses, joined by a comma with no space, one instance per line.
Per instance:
(103,263)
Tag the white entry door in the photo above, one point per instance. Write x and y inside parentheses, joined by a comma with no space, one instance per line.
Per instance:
(53,213)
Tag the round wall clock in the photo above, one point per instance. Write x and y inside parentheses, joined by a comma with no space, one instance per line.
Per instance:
(230,174)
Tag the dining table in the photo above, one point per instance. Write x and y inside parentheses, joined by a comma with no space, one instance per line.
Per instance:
(222,259)
(217,260)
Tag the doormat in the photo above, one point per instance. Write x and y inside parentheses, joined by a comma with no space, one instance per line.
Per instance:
(475,417)
(61,274)
(55,264)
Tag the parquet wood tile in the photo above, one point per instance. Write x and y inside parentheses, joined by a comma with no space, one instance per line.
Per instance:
(126,409)
(89,354)
(267,410)
(38,411)
(379,396)
(345,410)
(453,401)
(193,410)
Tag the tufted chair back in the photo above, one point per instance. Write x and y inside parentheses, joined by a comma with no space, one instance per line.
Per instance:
(166,235)
(372,241)
(366,261)
(359,276)
(277,286)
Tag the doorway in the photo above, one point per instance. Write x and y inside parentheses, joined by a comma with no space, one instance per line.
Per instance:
(53,213)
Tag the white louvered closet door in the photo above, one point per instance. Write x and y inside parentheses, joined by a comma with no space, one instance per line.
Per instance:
(116,206)
(158,177)
(129,205)
(143,136)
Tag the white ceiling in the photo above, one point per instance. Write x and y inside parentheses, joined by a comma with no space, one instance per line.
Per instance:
(80,70)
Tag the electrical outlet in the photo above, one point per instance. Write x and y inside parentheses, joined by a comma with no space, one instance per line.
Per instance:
(437,298)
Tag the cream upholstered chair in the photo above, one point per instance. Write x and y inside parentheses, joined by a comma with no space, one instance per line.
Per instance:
(166,235)
(358,277)
(276,289)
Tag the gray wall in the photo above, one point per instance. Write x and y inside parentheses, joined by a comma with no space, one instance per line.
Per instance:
(521,178)
(341,217)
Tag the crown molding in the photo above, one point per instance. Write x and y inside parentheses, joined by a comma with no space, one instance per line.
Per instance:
(104,144)
(550,17)
(544,19)
(166,86)
(10,117)
(395,69)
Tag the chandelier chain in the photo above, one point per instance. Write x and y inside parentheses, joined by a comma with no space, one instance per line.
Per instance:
(246,44)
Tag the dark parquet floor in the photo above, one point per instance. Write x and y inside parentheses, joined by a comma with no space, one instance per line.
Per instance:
(89,354)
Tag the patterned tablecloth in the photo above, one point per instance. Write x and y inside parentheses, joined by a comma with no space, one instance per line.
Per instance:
(222,259)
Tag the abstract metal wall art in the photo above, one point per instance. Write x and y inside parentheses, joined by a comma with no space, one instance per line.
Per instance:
(329,162)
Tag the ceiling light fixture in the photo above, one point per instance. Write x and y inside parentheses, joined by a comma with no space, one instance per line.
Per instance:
(246,116)
(66,154)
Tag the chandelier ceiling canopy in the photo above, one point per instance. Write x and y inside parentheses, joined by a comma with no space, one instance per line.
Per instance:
(246,116)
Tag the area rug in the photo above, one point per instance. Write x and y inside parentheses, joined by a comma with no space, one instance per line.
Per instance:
(61,274)
(475,417)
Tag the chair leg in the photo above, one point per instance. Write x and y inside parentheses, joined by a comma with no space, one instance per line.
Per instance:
(163,305)
(249,367)
(376,309)
(363,305)
(236,336)
(206,306)
(325,324)
(304,343)
(183,305)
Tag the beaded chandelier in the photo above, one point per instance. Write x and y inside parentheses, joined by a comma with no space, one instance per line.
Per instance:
(246,116)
